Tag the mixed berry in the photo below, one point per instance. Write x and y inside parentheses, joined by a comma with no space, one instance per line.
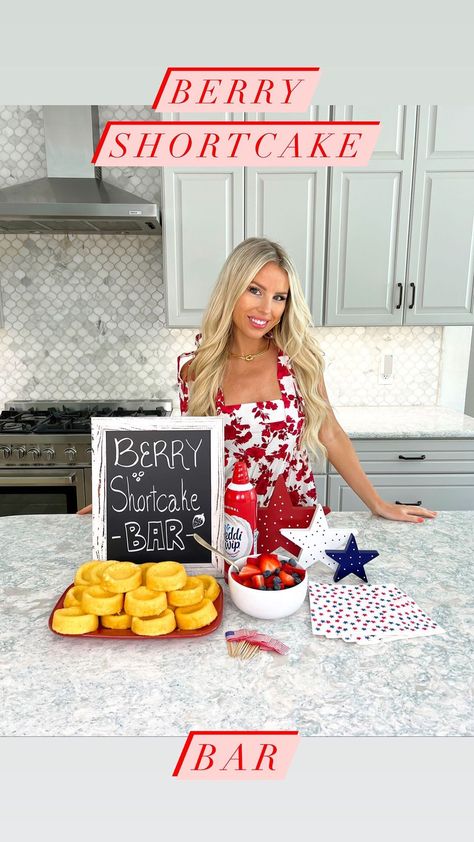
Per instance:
(267,572)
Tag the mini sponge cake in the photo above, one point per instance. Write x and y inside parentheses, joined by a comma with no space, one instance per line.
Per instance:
(74,620)
(143,602)
(151,599)
(166,576)
(211,586)
(96,600)
(164,623)
(191,617)
(190,594)
(116,621)
(122,576)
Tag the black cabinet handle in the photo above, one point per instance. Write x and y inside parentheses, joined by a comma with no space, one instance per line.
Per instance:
(400,296)
(408,504)
(410,306)
(412,458)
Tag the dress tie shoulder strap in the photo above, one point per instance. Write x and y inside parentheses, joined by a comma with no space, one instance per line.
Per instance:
(182,357)
(287,380)
(183,386)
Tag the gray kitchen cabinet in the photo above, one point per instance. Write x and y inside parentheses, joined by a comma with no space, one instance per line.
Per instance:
(434,473)
(389,263)
(439,492)
(321,481)
(289,206)
(203,220)
(369,213)
(441,265)
(417,455)
(207,212)
(400,247)
(319,467)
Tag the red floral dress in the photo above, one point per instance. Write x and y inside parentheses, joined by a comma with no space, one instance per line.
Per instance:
(266,436)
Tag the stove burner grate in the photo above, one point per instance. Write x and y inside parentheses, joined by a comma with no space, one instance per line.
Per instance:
(63,419)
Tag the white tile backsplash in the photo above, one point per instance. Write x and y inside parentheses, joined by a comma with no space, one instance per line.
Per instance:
(85,314)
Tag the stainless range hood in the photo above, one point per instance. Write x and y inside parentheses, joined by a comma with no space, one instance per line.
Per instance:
(73,197)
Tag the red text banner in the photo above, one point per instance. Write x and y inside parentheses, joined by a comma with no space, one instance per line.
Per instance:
(240,143)
(262,89)
(236,755)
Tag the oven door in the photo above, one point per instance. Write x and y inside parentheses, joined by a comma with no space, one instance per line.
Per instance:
(41,491)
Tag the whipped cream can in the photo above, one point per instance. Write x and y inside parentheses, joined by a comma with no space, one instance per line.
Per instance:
(240,516)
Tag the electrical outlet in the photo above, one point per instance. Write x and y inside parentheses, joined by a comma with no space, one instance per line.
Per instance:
(386,369)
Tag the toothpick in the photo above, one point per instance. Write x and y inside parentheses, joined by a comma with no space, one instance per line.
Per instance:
(240,645)
(246,650)
(241,648)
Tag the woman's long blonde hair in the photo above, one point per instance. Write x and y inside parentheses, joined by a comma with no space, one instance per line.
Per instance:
(292,334)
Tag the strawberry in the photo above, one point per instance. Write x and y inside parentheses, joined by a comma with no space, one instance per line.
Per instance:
(288,568)
(249,570)
(258,582)
(272,556)
(268,561)
(286,579)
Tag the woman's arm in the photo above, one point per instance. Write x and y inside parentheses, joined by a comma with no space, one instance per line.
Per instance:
(342,455)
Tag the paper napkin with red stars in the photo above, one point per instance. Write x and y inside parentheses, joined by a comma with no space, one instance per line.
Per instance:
(366,614)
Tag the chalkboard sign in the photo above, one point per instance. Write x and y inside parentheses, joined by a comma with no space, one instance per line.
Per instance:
(156,481)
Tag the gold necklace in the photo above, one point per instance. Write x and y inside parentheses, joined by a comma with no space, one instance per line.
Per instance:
(249,357)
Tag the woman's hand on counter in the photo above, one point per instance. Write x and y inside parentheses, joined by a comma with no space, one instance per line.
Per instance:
(87,510)
(394,511)
(342,455)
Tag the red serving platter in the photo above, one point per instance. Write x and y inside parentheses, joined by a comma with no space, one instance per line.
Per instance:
(127,634)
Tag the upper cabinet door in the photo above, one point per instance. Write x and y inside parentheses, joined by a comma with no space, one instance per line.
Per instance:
(203,220)
(289,206)
(441,266)
(369,211)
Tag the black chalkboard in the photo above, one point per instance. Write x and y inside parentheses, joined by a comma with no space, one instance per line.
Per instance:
(156,487)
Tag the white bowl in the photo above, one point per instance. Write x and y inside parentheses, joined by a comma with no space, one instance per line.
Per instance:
(268,605)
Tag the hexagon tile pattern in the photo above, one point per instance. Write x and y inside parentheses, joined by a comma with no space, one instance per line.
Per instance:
(85,320)
(21,161)
(85,314)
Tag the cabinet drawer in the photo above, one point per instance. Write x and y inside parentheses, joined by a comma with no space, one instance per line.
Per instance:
(321,482)
(319,465)
(414,456)
(439,492)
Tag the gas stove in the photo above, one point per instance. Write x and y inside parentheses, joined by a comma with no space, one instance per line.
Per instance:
(56,434)
(45,452)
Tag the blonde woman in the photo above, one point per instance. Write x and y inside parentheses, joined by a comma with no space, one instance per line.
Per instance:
(259,365)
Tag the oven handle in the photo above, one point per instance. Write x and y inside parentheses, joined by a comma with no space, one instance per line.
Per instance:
(70,479)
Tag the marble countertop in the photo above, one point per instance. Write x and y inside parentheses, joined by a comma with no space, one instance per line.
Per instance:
(361,422)
(81,686)
(366,422)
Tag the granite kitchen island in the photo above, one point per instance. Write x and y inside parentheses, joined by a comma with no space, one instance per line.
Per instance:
(81,686)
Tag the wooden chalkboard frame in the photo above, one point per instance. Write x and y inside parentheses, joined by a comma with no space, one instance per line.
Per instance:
(99,427)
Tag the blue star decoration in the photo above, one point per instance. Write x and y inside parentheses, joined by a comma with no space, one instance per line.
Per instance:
(351,560)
